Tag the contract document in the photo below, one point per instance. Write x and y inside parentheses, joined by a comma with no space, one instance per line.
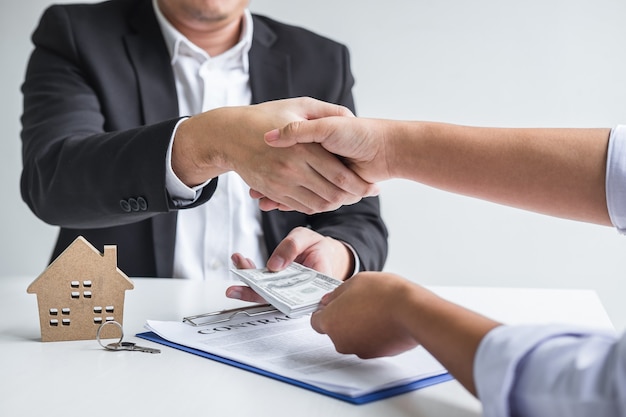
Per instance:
(288,349)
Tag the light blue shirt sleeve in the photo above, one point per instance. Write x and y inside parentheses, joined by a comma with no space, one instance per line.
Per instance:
(616,178)
(528,371)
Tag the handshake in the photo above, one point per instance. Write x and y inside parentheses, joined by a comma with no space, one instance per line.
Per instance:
(295,154)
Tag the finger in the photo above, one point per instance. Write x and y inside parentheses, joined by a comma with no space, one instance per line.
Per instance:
(305,191)
(337,292)
(326,183)
(243,293)
(317,321)
(296,242)
(326,298)
(242,262)
(306,201)
(303,131)
(319,316)
(267,204)
(329,167)
(256,194)
(315,195)
(315,109)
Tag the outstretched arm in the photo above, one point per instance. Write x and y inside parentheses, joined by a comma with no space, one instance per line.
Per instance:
(522,370)
(560,172)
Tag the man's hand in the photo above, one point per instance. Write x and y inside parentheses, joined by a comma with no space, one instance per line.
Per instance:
(243,292)
(363,315)
(302,245)
(304,177)
(381,314)
(361,142)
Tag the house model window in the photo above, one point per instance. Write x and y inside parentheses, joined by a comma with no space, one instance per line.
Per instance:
(79,291)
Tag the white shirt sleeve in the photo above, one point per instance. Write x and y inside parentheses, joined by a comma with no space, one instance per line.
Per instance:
(616,178)
(528,371)
(181,194)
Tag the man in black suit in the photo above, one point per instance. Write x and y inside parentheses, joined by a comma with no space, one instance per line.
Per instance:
(109,154)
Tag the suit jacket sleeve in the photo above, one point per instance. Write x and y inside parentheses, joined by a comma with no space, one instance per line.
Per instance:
(84,155)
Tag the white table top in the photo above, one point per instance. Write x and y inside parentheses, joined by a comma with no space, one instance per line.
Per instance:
(80,378)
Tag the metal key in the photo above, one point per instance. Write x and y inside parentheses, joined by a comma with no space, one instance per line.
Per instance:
(120,345)
(131,346)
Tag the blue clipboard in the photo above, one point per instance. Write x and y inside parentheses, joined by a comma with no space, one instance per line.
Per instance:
(363,399)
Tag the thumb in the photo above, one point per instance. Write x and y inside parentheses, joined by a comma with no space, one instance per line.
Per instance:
(303,131)
(316,109)
(288,135)
(316,321)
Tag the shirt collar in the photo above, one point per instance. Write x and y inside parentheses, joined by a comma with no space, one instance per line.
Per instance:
(174,40)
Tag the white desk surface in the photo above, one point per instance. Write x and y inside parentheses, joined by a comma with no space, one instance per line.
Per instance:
(81,378)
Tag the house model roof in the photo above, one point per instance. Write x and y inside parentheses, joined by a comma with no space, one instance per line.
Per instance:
(81,289)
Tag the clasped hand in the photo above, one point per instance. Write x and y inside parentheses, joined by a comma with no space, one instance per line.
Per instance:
(304,177)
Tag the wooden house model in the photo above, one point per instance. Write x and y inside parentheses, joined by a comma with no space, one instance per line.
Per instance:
(79,291)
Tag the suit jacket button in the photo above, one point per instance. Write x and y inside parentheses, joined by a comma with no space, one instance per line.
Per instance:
(134,206)
(125,206)
(143,204)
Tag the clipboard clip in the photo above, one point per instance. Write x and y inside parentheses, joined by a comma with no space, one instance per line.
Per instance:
(227,315)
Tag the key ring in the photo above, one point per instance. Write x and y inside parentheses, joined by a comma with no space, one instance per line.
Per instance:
(100,329)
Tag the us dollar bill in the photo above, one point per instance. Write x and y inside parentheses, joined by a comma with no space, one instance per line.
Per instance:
(296,290)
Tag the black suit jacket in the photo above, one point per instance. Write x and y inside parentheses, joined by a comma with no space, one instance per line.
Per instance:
(99,110)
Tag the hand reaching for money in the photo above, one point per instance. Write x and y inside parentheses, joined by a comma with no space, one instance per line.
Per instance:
(305,246)
(243,292)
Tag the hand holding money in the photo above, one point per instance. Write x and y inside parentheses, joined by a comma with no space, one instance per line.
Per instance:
(296,290)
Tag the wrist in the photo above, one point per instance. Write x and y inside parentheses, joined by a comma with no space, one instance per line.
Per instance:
(398,148)
(409,299)
(195,157)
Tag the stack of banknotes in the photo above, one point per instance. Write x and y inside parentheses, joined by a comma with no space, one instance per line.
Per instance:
(295,291)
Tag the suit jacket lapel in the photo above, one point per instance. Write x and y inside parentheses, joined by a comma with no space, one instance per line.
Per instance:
(155,78)
(270,69)
(157,95)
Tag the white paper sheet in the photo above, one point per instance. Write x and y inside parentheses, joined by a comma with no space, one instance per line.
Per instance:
(291,348)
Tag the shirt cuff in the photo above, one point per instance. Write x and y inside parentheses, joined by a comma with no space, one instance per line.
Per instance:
(181,194)
(616,178)
(355,257)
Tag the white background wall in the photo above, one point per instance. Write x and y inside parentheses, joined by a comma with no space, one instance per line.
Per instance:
(491,62)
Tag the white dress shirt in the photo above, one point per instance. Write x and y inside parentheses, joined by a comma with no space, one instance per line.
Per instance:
(230,221)
(552,371)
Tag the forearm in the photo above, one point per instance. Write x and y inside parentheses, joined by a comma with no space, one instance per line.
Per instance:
(560,172)
(448,331)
